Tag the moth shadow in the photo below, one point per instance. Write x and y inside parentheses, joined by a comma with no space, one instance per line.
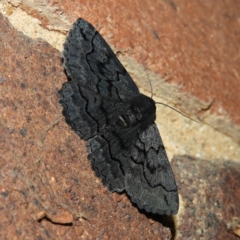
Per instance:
(166,221)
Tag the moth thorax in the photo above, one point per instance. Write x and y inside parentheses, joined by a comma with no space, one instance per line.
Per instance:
(129,117)
(141,111)
(146,106)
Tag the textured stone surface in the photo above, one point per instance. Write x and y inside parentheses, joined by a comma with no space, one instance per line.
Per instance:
(180,136)
(210,194)
(192,44)
(44,171)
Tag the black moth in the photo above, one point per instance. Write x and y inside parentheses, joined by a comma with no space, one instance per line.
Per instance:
(104,107)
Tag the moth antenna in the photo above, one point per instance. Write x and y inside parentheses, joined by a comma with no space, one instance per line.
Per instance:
(177,111)
(149,80)
(144,65)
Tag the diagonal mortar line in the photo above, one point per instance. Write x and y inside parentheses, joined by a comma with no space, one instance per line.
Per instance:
(43,136)
(49,127)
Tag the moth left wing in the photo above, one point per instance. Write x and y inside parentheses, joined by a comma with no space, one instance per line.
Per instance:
(87,112)
(90,61)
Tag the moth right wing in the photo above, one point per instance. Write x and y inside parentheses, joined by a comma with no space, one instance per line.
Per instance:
(142,170)
(149,180)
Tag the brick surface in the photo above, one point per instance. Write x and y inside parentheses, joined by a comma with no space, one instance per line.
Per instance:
(210,194)
(190,47)
(44,170)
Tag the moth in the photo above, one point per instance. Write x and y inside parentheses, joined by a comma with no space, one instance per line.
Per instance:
(104,107)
